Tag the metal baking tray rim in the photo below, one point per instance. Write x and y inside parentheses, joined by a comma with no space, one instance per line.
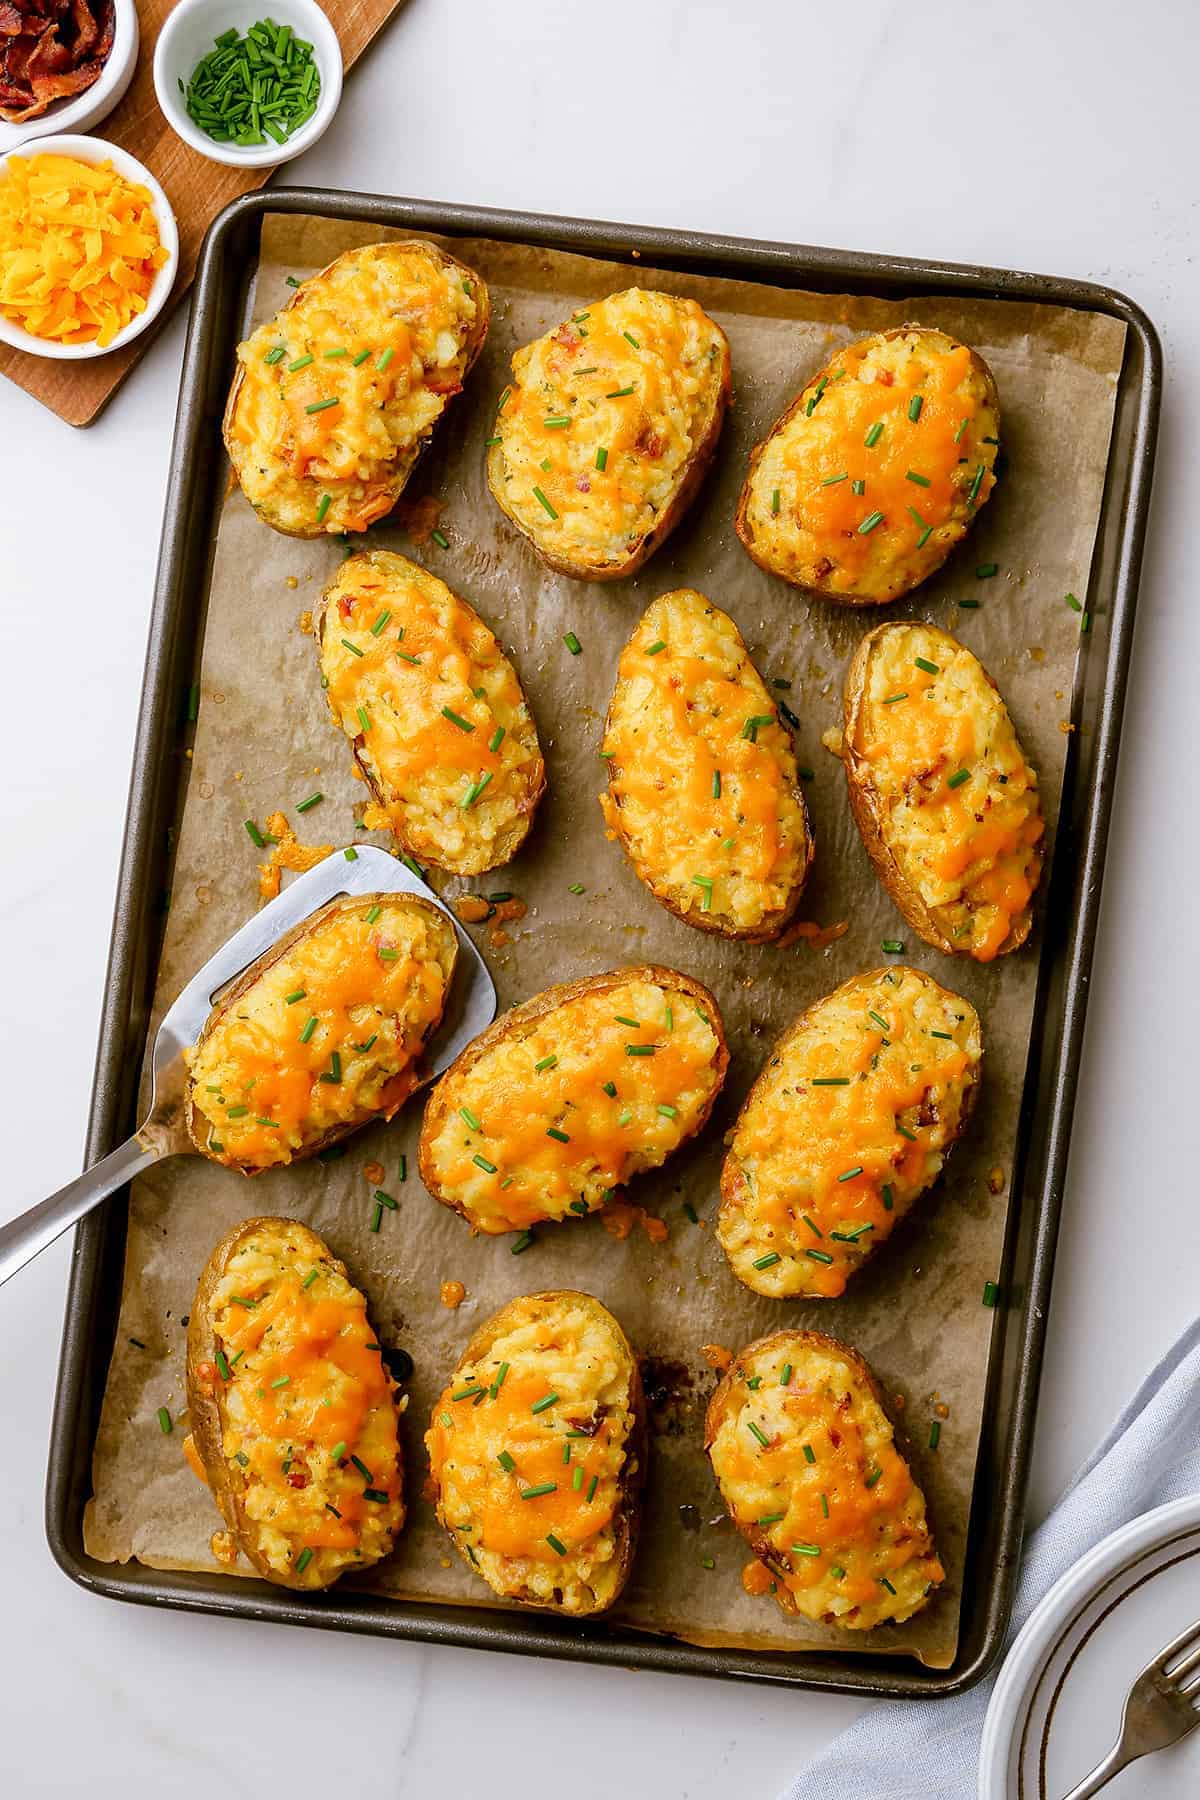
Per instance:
(1065,961)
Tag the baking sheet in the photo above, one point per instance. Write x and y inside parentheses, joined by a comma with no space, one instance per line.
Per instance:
(263,740)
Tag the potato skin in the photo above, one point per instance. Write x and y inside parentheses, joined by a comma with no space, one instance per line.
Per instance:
(516,771)
(628,559)
(514,1025)
(205,1387)
(686,620)
(869,807)
(780,1146)
(567,1303)
(386,490)
(199,1126)
(821,548)
(872,1512)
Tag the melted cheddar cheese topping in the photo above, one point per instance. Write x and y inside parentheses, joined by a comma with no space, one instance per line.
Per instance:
(434,710)
(325,1037)
(564,1108)
(528,1447)
(309,1418)
(961,813)
(340,388)
(601,421)
(874,474)
(805,1459)
(703,789)
(848,1124)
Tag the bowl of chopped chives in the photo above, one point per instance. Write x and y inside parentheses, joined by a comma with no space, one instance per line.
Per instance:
(248,82)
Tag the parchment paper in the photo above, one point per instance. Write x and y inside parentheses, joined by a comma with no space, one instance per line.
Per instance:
(264,741)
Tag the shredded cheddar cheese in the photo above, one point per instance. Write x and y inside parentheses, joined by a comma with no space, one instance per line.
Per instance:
(79,249)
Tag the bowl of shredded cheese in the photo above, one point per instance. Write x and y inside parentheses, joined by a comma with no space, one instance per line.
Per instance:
(88,248)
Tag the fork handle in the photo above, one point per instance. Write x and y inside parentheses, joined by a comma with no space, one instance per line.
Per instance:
(1117,1759)
(25,1237)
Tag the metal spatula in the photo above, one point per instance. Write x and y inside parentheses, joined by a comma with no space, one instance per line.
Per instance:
(470,1007)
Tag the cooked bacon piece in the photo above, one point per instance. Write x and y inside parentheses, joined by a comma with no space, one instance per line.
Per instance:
(53,49)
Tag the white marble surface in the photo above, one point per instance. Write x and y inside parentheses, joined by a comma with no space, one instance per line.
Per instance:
(1040,135)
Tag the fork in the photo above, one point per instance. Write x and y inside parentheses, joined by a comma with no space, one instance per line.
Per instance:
(1160,1708)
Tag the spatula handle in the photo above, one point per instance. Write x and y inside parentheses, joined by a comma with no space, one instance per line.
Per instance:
(23,1238)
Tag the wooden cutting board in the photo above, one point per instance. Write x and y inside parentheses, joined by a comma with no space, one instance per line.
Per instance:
(197,190)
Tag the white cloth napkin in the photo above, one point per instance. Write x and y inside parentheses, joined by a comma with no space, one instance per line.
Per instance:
(929,1749)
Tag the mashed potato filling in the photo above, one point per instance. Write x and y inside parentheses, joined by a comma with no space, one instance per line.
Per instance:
(702,774)
(307,1407)
(527,1447)
(345,381)
(435,712)
(566,1107)
(962,812)
(327,1035)
(876,471)
(846,1127)
(602,418)
(805,1459)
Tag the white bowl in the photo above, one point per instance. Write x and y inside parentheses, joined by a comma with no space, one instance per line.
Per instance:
(189,34)
(95,103)
(95,150)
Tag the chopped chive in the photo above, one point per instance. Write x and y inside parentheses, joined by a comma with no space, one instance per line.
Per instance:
(956,780)
(481,1162)
(610,1090)
(755,1431)
(810,1455)
(468,1118)
(888,1201)
(539,1406)
(282,1381)
(554,1542)
(592,1489)
(806,1549)
(874,434)
(704,883)
(403,1164)
(849,1174)
(323,505)
(914,408)
(543,1487)
(820,1256)
(353,648)
(977,482)
(385,359)
(303,1560)
(691,1212)
(812,1226)
(770,1518)
(324,405)
(498,1383)
(362,1468)
(985,571)
(310,1025)
(440,539)
(640,1049)
(577,1475)
(707,1562)
(547,1062)
(378,1495)
(750,729)
(785,1374)
(921,480)
(935,1432)
(893,946)
(948,1035)
(775,500)
(256,836)
(364,718)
(769,1260)
(448,712)
(930,668)
(893,698)
(572,642)
(496,739)
(381,621)
(991,1293)
(962,426)
(467,1393)
(924,537)
(656,647)
(561,1137)
(969,605)
(633,1024)
(237,1112)
(542,501)
(858,487)
(488,442)
(223,1368)
(825,1504)
(357,362)
(668,1112)
(602,458)
(873,1477)
(716,784)
(877,1019)
(373,912)
(619,393)
(869,523)
(275,355)
(832,480)
(576,887)
(1073,603)
(830,1081)
(906,1133)
(884,1582)
(310,1278)
(304,806)
(301,362)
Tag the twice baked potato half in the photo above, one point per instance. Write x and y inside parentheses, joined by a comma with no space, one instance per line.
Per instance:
(322,1034)
(876,470)
(941,792)
(849,1122)
(293,1414)
(563,1099)
(537,1453)
(604,434)
(703,793)
(434,712)
(806,1461)
(335,397)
